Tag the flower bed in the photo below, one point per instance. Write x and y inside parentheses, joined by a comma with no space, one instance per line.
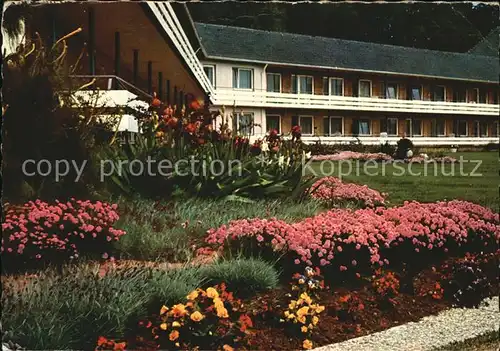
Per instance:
(345,239)
(39,231)
(352,155)
(331,190)
(366,156)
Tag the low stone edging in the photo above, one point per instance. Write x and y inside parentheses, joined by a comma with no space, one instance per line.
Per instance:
(453,325)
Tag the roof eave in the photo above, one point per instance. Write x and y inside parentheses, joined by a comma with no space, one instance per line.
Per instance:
(214,57)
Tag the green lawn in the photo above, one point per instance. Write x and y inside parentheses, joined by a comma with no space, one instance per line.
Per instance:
(427,187)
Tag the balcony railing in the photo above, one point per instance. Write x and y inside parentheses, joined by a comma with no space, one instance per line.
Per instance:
(229,97)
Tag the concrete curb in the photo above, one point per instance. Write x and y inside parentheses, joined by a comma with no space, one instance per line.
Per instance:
(453,325)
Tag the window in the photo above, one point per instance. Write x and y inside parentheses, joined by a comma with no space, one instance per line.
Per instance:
(365,88)
(326,88)
(274,82)
(417,127)
(245,124)
(495,130)
(473,95)
(483,96)
(302,84)
(480,128)
(439,93)
(336,86)
(335,126)
(364,127)
(416,93)
(392,126)
(462,128)
(459,95)
(413,127)
(242,78)
(391,91)
(306,124)
(440,127)
(273,122)
(210,72)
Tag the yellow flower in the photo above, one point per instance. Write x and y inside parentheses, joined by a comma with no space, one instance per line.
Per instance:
(290,316)
(302,311)
(306,298)
(163,310)
(212,293)
(174,335)
(197,316)
(302,319)
(226,347)
(320,309)
(303,329)
(218,303)
(176,324)
(301,281)
(193,295)
(315,320)
(163,326)
(222,313)
(292,304)
(307,344)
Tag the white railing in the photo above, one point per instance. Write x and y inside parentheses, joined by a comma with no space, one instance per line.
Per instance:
(417,141)
(229,97)
(168,20)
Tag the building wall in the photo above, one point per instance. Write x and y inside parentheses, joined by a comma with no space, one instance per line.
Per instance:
(224,74)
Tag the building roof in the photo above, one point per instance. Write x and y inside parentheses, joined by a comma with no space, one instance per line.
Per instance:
(258,46)
(489,45)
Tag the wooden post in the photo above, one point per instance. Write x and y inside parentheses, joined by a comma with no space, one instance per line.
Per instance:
(181,98)
(168,91)
(136,67)
(175,95)
(160,85)
(150,77)
(92,60)
(117,57)
(207,101)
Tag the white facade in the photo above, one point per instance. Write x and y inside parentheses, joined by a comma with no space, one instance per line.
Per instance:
(223,82)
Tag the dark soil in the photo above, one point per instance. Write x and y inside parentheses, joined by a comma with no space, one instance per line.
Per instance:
(335,326)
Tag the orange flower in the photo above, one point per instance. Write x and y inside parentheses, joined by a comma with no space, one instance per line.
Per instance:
(190,128)
(303,329)
(302,311)
(163,310)
(222,313)
(193,295)
(120,346)
(226,347)
(174,335)
(197,316)
(307,344)
(101,341)
(156,102)
(179,310)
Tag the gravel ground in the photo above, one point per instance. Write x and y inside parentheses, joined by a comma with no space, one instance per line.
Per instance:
(453,325)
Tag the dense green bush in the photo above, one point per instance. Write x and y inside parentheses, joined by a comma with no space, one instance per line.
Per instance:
(242,276)
(71,310)
(404,144)
(41,122)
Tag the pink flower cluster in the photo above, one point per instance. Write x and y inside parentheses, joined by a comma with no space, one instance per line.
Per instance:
(367,233)
(351,155)
(331,190)
(37,228)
